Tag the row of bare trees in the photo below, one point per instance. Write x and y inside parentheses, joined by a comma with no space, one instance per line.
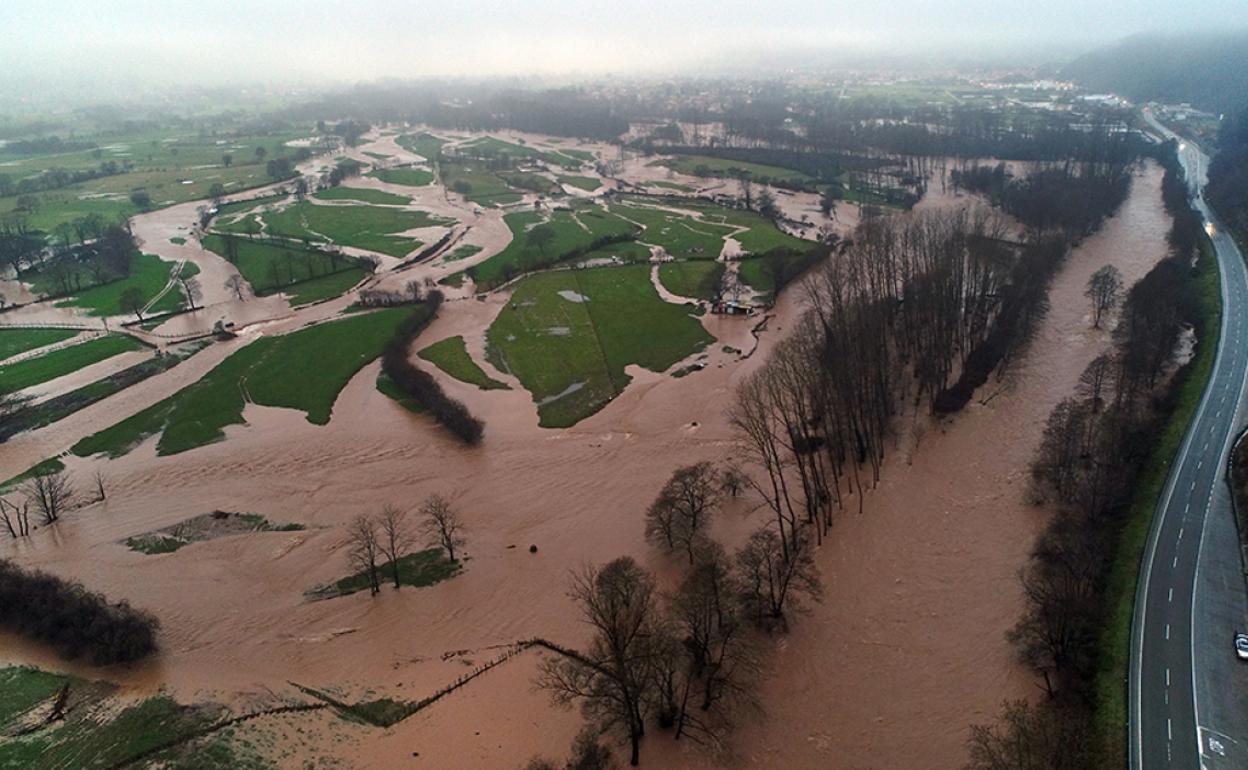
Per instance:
(687,660)
(1095,448)
(392,535)
(48,493)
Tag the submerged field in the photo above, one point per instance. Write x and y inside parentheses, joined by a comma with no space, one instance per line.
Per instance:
(569,335)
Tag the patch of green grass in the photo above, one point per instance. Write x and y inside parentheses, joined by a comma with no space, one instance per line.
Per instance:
(362,227)
(324,287)
(305,274)
(489,147)
(671,186)
(698,279)
(586,183)
(571,355)
(303,370)
(177,240)
(702,165)
(14,341)
(462,252)
(247,224)
(451,356)
(477,183)
(24,688)
(1114,648)
(51,465)
(681,236)
(407,177)
(417,570)
(377,155)
(363,195)
(58,363)
(530,182)
(390,389)
(572,230)
(238,207)
(425,145)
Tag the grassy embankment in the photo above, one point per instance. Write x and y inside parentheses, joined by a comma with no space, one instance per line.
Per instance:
(303,370)
(58,363)
(15,341)
(1114,653)
(148,273)
(705,166)
(451,356)
(571,355)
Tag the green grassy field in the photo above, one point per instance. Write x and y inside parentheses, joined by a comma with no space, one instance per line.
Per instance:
(238,207)
(530,182)
(699,279)
(58,363)
(479,184)
(586,183)
(148,273)
(407,177)
(303,370)
(671,186)
(102,730)
(14,341)
(390,389)
(451,356)
(462,252)
(572,230)
(681,236)
(570,355)
(425,145)
(305,274)
(361,227)
(489,147)
(363,195)
(702,165)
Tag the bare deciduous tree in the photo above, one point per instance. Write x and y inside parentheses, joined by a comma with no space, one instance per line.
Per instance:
(364,547)
(441,525)
(1103,289)
(50,493)
(1028,737)
(771,578)
(614,677)
(396,538)
(235,284)
(680,515)
(16,519)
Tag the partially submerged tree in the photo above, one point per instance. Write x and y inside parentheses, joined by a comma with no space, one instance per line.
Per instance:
(678,518)
(235,284)
(613,678)
(774,579)
(396,538)
(441,525)
(1104,288)
(364,548)
(50,493)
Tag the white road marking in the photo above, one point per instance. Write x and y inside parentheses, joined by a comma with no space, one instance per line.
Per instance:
(1181,532)
(1167,676)
(1174,563)
(1167,630)
(1170,595)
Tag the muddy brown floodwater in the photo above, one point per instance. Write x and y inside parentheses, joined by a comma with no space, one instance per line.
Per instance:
(905,651)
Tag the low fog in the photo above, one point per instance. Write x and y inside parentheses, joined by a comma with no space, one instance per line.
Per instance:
(90,45)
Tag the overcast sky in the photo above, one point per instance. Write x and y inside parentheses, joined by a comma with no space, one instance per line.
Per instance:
(174,41)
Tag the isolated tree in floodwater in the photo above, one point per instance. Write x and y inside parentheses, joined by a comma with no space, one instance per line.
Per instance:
(190,287)
(50,494)
(441,525)
(1104,287)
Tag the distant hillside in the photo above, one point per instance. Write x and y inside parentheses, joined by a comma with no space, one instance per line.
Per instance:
(1208,70)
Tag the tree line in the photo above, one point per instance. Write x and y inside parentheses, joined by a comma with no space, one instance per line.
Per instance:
(1095,447)
(1227,190)
(686,662)
(71,619)
(421,386)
